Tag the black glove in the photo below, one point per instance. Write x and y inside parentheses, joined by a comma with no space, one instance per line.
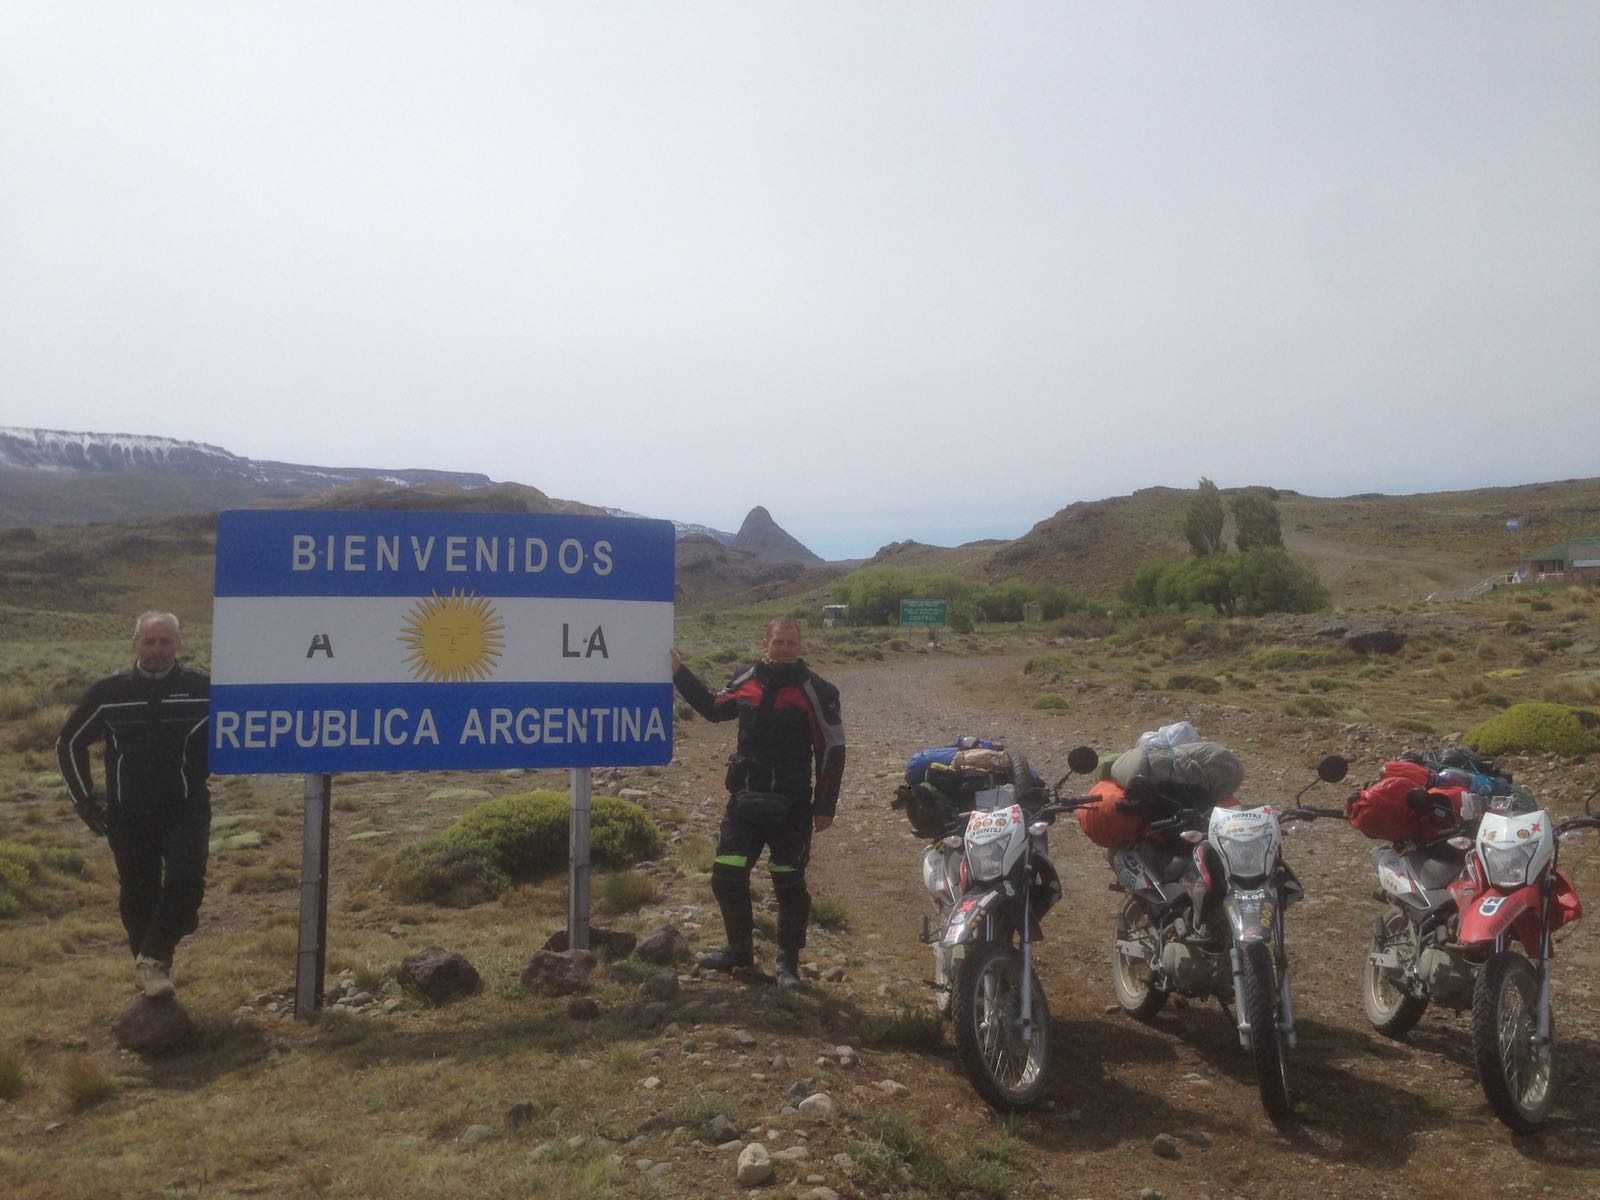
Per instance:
(92,812)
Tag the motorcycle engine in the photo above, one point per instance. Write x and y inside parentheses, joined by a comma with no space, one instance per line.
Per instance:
(1186,969)
(1447,976)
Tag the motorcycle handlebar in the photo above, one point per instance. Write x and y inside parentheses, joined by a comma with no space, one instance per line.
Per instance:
(1307,812)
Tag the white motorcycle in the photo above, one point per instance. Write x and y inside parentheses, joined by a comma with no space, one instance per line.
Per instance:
(991,879)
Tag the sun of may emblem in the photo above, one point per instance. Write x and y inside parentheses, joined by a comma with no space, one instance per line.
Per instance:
(452,639)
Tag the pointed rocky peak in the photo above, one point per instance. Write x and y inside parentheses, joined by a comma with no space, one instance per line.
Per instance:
(763,538)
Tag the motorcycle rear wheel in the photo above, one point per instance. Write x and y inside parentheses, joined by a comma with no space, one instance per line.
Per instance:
(1266,1039)
(1392,1010)
(1132,979)
(1505,1035)
(1009,1070)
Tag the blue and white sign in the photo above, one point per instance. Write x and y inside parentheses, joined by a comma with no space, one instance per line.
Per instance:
(411,641)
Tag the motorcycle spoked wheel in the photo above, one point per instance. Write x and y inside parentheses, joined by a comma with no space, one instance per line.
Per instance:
(1132,979)
(1007,1069)
(1505,1037)
(1391,1009)
(1266,1039)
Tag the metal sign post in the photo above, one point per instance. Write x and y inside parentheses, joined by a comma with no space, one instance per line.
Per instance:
(578,861)
(311,961)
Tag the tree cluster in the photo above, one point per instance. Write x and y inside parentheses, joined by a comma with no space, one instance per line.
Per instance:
(873,595)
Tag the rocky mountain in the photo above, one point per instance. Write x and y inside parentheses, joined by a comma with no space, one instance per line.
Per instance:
(763,539)
(63,450)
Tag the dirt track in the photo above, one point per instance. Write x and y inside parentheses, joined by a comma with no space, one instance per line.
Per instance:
(1374,1118)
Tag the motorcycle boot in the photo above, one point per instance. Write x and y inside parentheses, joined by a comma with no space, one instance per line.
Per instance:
(727,958)
(731,886)
(789,970)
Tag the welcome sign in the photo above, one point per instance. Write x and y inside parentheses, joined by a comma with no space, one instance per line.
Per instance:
(408,641)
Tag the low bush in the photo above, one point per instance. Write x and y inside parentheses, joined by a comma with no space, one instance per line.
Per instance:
(916,1029)
(1052,666)
(37,730)
(1051,702)
(829,914)
(85,1082)
(1204,684)
(516,839)
(626,891)
(1552,728)
(16,702)
(1290,658)
(10,1073)
(19,868)
(1310,706)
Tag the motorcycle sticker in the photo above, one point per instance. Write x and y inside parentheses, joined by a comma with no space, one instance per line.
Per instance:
(1491,905)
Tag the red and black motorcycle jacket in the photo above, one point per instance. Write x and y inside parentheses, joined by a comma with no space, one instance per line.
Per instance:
(154,728)
(789,722)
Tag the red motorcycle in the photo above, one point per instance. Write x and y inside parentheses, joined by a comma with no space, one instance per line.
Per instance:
(1452,934)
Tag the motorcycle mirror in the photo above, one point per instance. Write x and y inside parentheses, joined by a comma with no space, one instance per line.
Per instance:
(1083,759)
(1193,836)
(1570,836)
(1039,828)
(1332,769)
(1460,843)
(1296,828)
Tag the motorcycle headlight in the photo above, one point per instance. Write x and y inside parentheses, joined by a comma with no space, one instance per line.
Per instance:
(1246,860)
(1508,865)
(988,860)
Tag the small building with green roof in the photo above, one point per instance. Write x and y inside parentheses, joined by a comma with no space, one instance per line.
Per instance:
(1576,560)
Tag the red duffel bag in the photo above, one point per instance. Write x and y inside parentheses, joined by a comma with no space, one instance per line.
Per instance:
(1416,773)
(1104,824)
(1383,811)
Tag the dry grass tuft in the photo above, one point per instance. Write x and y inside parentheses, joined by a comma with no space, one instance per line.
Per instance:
(85,1082)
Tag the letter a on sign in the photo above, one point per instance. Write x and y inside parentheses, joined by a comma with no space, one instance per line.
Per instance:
(323,643)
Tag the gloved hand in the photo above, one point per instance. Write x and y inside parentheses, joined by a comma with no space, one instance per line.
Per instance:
(92,812)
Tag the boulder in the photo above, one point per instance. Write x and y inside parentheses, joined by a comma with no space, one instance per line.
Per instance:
(558,974)
(608,944)
(663,945)
(661,986)
(755,1165)
(1376,641)
(152,1025)
(439,975)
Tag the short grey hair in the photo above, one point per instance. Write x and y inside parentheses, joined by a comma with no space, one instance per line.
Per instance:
(154,614)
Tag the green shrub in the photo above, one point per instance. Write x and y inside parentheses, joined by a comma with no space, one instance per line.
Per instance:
(1552,728)
(1204,684)
(11,1073)
(515,839)
(1321,683)
(19,867)
(38,729)
(1054,666)
(916,1029)
(1051,702)
(16,702)
(1310,706)
(1290,658)
(85,1082)
(626,891)
(829,914)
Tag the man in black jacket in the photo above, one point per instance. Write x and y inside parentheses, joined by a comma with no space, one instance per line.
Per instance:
(156,810)
(789,721)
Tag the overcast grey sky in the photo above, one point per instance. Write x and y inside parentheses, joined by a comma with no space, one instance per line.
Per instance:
(894,270)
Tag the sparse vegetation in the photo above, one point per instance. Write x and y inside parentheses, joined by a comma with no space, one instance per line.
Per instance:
(626,891)
(827,913)
(514,839)
(85,1082)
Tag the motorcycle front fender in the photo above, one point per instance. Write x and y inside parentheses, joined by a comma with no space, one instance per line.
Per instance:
(1253,913)
(967,921)
(1496,914)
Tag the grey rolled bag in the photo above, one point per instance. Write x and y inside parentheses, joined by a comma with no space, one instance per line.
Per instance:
(1197,774)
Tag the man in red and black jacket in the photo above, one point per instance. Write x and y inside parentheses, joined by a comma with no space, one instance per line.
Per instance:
(156,810)
(789,723)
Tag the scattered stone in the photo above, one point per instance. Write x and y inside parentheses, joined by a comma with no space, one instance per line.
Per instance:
(743,1037)
(779,1063)
(652,1083)
(661,986)
(658,1172)
(652,1014)
(720,1130)
(890,1087)
(558,973)
(608,945)
(810,970)
(819,1193)
(392,1004)
(663,946)
(152,1026)
(844,1162)
(793,1154)
(1165,1146)
(1151,1193)
(632,794)
(798,1091)
(819,1107)
(1199,1138)
(521,1113)
(473,1134)
(836,975)
(755,1165)
(439,975)
(583,1008)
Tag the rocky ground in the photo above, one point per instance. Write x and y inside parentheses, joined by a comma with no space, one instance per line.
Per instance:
(1172,1105)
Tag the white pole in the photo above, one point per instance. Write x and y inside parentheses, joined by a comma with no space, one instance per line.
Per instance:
(578,861)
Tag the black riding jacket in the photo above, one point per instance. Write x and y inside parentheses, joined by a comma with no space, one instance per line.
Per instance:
(789,721)
(154,729)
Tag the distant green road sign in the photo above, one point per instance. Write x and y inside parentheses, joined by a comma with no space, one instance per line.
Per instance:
(925,612)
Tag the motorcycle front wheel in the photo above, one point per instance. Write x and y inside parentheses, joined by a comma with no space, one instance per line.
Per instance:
(1132,978)
(1006,1065)
(1266,1039)
(1505,1042)
(1392,1010)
